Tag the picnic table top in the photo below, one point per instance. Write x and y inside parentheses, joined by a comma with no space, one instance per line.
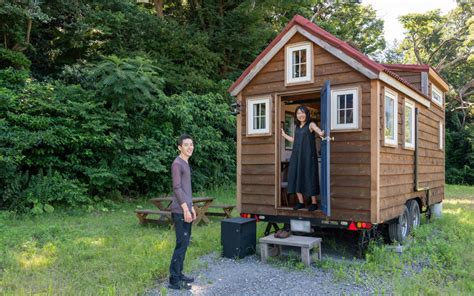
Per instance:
(195,199)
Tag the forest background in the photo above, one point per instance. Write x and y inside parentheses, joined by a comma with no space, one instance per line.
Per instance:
(94,93)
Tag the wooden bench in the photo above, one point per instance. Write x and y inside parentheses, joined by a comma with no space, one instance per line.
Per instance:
(306,244)
(165,216)
(226,208)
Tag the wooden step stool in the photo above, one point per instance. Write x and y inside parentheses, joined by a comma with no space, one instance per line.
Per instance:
(306,244)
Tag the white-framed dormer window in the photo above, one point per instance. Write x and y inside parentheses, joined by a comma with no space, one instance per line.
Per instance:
(391,117)
(299,63)
(258,116)
(436,96)
(441,136)
(345,109)
(409,124)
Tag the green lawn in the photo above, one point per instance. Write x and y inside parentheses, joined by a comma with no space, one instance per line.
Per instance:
(108,253)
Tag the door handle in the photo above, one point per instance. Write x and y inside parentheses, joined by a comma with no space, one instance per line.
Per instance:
(327,138)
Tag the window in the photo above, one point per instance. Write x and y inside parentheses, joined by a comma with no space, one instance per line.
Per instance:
(299,63)
(441,136)
(409,124)
(345,109)
(258,116)
(436,96)
(391,118)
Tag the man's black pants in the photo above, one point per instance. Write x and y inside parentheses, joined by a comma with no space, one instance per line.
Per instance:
(183,234)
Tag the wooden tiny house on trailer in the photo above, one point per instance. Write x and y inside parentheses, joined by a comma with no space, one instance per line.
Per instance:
(384,149)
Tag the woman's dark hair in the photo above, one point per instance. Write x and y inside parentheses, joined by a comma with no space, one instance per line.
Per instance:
(182,138)
(306,111)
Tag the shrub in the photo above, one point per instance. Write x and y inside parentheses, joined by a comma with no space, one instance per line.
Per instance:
(15,59)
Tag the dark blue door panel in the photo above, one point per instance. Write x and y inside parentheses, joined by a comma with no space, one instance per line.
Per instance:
(326,148)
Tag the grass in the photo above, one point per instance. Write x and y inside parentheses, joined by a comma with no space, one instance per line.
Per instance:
(100,253)
(108,253)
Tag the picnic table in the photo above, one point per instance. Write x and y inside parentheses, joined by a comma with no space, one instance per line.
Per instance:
(201,205)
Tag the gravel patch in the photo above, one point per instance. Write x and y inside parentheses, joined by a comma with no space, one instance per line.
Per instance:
(249,276)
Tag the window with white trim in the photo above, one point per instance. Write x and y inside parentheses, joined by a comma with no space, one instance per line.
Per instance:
(299,63)
(436,95)
(441,136)
(345,109)
(391,118)
(409,124)
(258,116)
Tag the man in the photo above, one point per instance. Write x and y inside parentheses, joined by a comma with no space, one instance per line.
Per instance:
(182,212)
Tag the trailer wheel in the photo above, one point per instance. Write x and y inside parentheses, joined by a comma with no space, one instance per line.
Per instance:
(398,231)
(414,214)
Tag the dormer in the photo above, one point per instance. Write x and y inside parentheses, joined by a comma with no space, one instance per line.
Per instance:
(424,78)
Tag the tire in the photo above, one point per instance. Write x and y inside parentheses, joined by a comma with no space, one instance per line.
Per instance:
(414,214)
(398,231)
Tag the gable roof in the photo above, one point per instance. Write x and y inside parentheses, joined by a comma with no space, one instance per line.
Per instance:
(332,44)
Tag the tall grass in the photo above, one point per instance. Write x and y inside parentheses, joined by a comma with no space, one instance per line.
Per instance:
(100,253)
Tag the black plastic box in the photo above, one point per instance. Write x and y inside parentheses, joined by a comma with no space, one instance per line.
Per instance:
(238,237)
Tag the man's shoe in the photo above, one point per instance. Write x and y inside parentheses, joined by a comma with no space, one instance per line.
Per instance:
(298,206)
(179,285)
(284,234)
(187,279)
(313,207)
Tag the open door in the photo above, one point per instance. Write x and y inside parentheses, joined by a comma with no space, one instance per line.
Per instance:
(325,149)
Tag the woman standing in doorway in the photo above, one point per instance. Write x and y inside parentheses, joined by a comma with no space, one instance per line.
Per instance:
(303,175)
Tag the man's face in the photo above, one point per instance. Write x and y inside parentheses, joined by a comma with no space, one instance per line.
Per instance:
(187,147)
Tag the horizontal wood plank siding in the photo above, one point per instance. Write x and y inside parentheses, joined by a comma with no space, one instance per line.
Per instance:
(350,151)
(397,165)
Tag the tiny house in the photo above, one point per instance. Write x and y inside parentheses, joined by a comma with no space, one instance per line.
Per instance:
(382,159)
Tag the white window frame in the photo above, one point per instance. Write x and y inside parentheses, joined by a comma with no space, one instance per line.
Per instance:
(393,95)
(410,105)
(355,109)
(250,128)
(441,136)
(289,65)
(435,90)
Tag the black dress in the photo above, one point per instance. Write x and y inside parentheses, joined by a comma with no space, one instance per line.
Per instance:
(303,174)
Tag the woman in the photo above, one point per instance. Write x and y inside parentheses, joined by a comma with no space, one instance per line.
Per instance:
(303,177)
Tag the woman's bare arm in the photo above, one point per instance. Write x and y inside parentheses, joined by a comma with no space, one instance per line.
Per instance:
(288,138)
(314,128)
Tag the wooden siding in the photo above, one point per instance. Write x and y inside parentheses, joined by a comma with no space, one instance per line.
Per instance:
(350,151)
(397,164)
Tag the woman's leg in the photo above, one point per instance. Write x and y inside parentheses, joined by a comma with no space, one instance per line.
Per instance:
(300,203)
(300,197)
(314,204)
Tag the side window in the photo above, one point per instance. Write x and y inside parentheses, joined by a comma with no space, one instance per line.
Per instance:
(345,109)
(436,96)
(299,63)
(258,116)
(391,117)
(409,124)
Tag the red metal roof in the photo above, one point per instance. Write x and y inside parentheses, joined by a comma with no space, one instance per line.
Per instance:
(407,68)
(335,42)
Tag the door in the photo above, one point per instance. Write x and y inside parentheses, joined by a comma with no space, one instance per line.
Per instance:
(326,148)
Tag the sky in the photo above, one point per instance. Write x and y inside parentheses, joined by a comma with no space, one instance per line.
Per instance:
(390,10)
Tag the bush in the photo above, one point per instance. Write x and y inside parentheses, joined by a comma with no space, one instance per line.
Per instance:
(44,192)
(15,59)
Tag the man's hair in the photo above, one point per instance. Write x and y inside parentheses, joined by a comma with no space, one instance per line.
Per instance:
(182,138)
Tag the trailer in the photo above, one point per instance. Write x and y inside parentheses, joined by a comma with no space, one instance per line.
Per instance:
(382,157)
